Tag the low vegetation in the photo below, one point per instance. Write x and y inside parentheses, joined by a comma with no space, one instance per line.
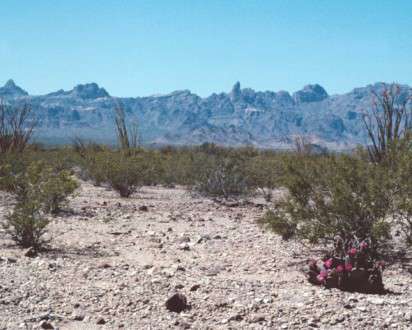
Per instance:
(39,190)
(16,128)
(362,197)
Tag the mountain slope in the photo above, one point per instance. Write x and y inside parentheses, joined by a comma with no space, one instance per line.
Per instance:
(242,116)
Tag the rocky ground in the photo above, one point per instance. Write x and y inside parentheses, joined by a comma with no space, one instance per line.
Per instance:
(113,263)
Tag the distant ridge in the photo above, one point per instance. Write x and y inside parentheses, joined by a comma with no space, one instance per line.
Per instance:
(240,117)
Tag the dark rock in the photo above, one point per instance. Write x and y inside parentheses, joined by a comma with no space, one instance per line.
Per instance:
(195,287)
(45,325)
(177,303)
(30,253)
(104,265)
(143,208)
(236,317)
(100,321)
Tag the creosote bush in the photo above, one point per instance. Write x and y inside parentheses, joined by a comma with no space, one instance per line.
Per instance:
(332,195)
(208,169)
(39,189)
(27,225)
(125,172)
(265,172)
(222,176)
(221,179)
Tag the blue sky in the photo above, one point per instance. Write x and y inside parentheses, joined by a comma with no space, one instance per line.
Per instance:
(137,48)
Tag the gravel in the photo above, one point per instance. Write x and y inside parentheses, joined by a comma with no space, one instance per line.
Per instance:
(113,264)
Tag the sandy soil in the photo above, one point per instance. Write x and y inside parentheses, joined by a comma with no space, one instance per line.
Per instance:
(112,264)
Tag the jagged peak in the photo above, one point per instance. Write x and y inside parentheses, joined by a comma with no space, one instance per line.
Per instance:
(180,92)
(10,84)
(236,91)
(310,93)
(11,89)
(236,86)
(89,91)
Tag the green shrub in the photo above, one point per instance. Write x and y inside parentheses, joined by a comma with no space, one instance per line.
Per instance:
(6,179)
(38,189)
(43,185)
(333,195)
(265,171)
(222,177)
(55,189)
(400,167)
(282,226)
(27,225)
(125,173)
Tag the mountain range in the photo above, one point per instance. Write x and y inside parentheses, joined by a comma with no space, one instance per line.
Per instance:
(242,116)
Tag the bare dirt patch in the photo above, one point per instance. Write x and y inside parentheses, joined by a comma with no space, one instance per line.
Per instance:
(113,263)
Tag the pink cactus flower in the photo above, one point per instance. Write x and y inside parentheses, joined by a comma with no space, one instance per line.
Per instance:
(363,245)
(328,263)
(321,279)
(348,267)
(340,268)
(352,252)
(380,264)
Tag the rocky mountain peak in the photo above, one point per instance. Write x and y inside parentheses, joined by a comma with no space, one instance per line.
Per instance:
(236,91)
(10,89)
(284,97)
(241,116)
(10,84)
(89,91)
(310,93)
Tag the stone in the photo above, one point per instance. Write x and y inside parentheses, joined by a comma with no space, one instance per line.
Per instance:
(195,287)
(376,301)
(177,303)
(45,325)
(30,252)
(10,260)
(184,247)
(100,321)
(143,208)
(258,318)
(184,239)
(236,317)
(78,314)
(104,265)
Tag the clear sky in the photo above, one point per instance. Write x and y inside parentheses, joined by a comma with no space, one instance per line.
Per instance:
(137,48)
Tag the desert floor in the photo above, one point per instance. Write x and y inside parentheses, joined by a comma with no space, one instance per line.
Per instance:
(112,263)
